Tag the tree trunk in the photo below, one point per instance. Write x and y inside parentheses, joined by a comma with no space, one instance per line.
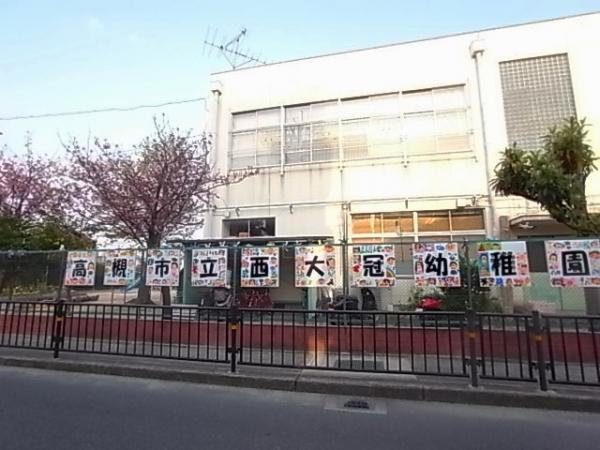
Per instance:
(143,295)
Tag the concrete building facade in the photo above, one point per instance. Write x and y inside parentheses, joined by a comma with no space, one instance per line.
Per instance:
(398,142)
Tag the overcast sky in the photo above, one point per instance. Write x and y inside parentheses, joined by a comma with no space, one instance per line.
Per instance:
(73,55)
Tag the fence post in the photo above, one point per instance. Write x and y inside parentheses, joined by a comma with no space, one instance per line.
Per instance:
(469,275)
(234,320)
(234,314)
(471,335)
(539,350)
(62,272)
(58,330)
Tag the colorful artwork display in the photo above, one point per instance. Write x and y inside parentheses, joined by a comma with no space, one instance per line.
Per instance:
(162,267)
(315,266)
(209,267)
(503,264)
(81,268)
(436,264)
(119,267)
(373,265)
(574,263)
(260,267)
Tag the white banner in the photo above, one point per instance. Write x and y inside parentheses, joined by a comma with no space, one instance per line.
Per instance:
(81,268)
(209,267)
(162,267)
(119,267)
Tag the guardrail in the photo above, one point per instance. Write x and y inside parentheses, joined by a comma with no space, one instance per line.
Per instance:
(533,348)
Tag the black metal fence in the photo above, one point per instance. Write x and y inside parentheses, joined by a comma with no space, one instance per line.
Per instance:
(534,348)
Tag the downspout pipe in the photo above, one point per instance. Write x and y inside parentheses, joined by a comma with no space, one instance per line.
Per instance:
(476,50)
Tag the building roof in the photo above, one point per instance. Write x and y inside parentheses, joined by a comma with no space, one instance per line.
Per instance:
(462,33)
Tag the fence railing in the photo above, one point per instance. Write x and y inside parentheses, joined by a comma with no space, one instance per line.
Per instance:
(532,348)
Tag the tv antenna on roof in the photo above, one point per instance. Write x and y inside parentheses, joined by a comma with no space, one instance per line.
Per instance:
(230,49)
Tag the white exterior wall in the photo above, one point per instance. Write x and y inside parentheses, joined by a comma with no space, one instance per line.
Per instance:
(317,189)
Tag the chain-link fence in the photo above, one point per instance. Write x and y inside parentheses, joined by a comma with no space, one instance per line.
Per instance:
(218,273)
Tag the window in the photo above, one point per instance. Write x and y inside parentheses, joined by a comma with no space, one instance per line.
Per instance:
(371,127)
(467,220)
(311,133)
(256,139)
(537,94)
(434,221)
(430,225)
(397,124)
(249,227)
(436,121)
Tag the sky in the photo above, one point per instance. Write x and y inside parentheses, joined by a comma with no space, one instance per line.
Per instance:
(68,55)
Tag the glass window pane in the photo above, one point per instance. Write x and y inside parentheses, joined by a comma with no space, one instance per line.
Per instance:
(356,108)
(297,114)
(268,117)
(355,138)
(269,141)
(324,111)
(385,136)
(325,141)
(397,222)
(421,124)
(454,143)
(452,122)
(421,146)
(376,223)
(467,220)
(449,98)
(244,121)
(417,101)
(384,105)
(297,138)
(242,161)
(241,142)
(361,224)
(434,221)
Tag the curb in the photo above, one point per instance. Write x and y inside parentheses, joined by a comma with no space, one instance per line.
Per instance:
(312,384)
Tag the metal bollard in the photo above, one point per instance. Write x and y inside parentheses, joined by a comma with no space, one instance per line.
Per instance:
(472,336)
(539,350)
(234,320)
(58,331)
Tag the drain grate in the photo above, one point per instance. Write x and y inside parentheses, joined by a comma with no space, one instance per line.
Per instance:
(357,404)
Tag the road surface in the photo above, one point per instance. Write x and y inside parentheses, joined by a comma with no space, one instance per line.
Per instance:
(59,410)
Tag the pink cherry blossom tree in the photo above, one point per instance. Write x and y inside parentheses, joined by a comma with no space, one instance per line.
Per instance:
(150,193)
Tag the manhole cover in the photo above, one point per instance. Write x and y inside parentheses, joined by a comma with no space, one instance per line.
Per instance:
(357,404)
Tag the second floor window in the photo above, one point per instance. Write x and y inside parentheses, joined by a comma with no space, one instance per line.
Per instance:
(256,139)
(406,124)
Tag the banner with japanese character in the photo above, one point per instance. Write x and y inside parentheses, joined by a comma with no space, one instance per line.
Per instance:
(373,265)
(436,264)
(315,265)
(574,263)
(162,267)
(260,267)
(81,269)
(503,263)
(209,267)
(119,267)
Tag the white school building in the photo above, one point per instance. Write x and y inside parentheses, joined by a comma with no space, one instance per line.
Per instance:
(398,143)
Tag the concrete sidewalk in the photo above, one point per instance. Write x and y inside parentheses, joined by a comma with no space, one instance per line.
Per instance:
(406,387)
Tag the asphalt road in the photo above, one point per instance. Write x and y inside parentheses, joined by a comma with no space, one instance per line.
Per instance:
(58,410)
